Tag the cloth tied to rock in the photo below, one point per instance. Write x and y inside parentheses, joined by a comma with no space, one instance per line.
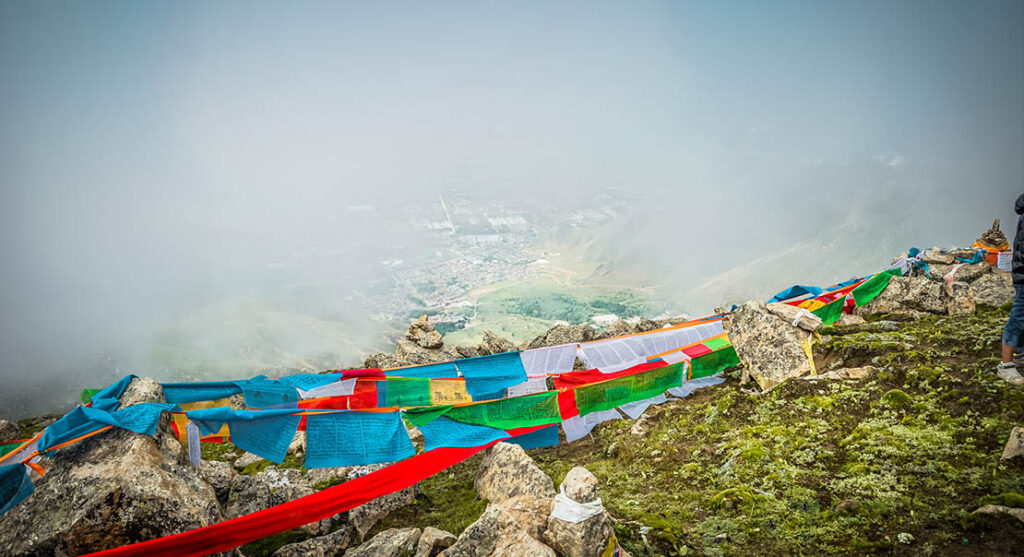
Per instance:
(573,511)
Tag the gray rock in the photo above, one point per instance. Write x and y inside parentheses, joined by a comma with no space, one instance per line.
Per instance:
(219,476)
(935,256)
(409,352)
(589,538)
(972,272)
(298,444)
(272,486)
(505,530)
(849,319)
(793,315)
(1014,445)
(507,471)
(331,545)
(389,543)
(960,298)
(9,431)
(913,296)
(431,340)
(381,360)
(112,489)
(366,516)
(771,349)
(1001,510)
(493,344)
(993,289)
(563,334)
(245,460)
(580,485)
(433,541)
(468,351)
(846,373)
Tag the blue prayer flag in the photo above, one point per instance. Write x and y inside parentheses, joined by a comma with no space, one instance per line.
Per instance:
(15,486)
(544,437)
(794,291)
(443,370)
(140,418)
(267,393)
(182,393)
(488,376)
(349,438)
(443,432)
(310,381)
(265,433)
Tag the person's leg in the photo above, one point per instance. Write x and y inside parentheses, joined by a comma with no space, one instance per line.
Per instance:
(1014,328)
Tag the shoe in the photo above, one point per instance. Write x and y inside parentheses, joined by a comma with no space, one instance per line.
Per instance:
(1008,372)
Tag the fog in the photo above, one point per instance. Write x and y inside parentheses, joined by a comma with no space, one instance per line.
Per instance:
(219,189)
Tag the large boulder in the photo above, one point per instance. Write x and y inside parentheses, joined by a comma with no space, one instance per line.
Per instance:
(272,486)
(366,516)
(798,317)
(562,334)
(1014,445)
(959,298)
(493,344)
(771,349)
(331,545)
(497,533)
(111,489)
(993,289)
(433,541)
(590,537)
(9,431)
(912,296)
(219,475)
(396,542)
(507,471)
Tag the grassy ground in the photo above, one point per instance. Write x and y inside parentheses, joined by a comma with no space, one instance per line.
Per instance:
(892,464)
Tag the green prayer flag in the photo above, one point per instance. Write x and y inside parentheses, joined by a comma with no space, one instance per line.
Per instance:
(406,391)
(716,343)
(830,312)
(710,364)
(872,287)
(86,395)
(423,416)
(510,413)
(4,449)
(616,392)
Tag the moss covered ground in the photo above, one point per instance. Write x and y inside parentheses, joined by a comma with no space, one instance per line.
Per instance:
(892,464)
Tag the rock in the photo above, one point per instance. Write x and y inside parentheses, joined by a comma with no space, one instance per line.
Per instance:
(331,545)
(381,360)
(112,489)
(589,538)
(366,516)
(272,486)
(846,373)
(432,340)
(993,289)
(563,334)
(850,319)
(580,485)
(496,533)
(245,460)
(9,431)
(770,349)
(936,256)
(507,471)
(415,334)
(993,237)
(493,344)
(972,272)
(409,352)
(526,513)
(468,351)
(798,317)
(298,444)
(219,476)
(914,296)
(395,542)
(960,298)
(433,541)
(641,425)
(1014,445)
(1000,510)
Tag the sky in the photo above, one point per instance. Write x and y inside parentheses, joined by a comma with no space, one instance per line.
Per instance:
(155,156)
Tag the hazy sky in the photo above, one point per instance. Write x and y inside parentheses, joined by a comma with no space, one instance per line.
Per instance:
(153,154)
